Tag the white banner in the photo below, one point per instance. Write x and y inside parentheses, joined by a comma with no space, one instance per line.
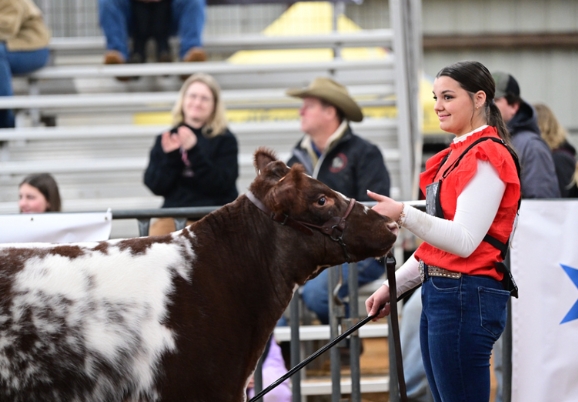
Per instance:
(55,227)
(544,259)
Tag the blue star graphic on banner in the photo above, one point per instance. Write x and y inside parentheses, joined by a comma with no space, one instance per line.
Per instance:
(573,274)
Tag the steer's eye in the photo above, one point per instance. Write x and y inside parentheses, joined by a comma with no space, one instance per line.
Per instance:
(321,201)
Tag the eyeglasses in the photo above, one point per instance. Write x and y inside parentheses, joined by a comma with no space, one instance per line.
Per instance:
(202,98)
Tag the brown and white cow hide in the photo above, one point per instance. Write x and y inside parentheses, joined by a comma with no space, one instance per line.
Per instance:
(182,317)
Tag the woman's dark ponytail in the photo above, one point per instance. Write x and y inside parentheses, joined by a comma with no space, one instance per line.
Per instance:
(495,119)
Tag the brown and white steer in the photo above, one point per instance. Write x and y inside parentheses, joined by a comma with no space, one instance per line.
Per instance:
(182,317)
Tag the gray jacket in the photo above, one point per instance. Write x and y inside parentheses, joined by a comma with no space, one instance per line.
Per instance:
(539,178)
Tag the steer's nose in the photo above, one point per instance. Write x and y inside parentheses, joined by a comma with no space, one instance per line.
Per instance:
(393,228)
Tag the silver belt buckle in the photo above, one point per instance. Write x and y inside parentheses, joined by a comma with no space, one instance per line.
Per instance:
(421,271)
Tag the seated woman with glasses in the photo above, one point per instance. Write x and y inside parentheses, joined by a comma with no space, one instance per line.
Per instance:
(195,163)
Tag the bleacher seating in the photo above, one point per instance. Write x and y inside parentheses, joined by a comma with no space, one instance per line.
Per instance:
(89,50)
(114,157)
(98,154)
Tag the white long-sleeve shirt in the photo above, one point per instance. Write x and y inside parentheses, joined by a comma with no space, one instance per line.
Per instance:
(476,209)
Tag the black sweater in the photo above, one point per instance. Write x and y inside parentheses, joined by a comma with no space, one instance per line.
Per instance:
(214,166)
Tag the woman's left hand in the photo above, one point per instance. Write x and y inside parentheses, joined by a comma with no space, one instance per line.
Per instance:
(187,137)
(170,142)
(386,206)
(378,303)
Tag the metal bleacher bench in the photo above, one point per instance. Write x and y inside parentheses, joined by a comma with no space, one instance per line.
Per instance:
(262,81)
(213,68)
(245,86)
(106,153)
(249,133)
(69,61)
(234,99)
(232,43)
(100,161)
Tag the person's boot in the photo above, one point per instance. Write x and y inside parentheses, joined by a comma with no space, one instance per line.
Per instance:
(164,50)
(136,58)
(112,57)
(164,57)
(194,54)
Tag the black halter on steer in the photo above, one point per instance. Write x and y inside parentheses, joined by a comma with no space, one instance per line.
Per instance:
(333,228)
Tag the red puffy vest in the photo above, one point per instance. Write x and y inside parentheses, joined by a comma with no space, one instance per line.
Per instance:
(481,261)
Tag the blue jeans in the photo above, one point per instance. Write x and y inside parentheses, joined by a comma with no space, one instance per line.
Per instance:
(461,319)
(14,63)
(188,21)
(315,294)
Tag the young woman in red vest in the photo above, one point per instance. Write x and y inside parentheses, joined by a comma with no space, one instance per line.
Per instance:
(472,192)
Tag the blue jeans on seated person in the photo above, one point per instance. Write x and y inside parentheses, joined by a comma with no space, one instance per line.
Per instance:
(187,16)
(461,319)
(315,293)
(14,63)
(415,379)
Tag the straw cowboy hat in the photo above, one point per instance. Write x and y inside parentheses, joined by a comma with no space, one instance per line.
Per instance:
(331,92)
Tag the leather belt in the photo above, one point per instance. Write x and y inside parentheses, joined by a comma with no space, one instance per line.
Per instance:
(436,271)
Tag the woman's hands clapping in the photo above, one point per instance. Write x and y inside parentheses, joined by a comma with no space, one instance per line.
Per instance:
(184,138)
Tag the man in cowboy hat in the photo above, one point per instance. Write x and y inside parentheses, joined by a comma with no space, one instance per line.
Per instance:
(330,151)
(347,163)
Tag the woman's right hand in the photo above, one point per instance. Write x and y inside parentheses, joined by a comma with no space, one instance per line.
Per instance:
(170,142)
(380,298)
(386,206)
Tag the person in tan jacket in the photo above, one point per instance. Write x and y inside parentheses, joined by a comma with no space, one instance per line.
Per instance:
(23,46)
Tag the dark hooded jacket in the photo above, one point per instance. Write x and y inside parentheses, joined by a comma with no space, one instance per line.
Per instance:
(539,178)
(565,163)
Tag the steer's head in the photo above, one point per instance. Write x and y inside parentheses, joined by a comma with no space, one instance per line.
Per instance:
(289,191)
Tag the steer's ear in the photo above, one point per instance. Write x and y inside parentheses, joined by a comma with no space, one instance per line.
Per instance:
(267,164)
(263,156)
(288,194)
(269,172)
